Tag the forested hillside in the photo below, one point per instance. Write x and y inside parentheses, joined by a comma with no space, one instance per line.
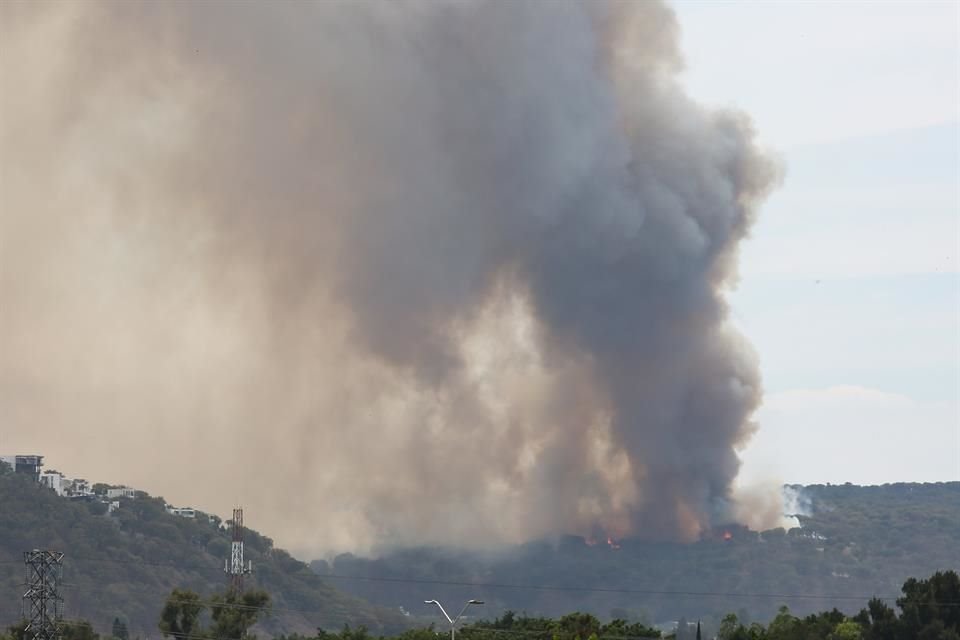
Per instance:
(854,542)
(123,565)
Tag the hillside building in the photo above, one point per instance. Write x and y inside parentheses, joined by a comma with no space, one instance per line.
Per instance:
(78,489)
(183,512)
(54,480)
(121,492)
(25,464)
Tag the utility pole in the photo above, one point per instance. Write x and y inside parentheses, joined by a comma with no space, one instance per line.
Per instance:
(234,567)
(43,604)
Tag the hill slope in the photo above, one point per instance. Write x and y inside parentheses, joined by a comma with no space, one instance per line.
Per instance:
(124,564)
(856,542)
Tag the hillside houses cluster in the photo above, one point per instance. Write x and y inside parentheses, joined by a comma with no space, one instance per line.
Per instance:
(82,489)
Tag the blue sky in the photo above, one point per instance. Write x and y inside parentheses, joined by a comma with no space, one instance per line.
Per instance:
(850,288)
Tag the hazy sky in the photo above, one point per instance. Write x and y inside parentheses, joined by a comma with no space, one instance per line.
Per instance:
(850,288)
(150,303)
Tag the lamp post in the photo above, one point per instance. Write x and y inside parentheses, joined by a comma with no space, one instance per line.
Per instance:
(453,621)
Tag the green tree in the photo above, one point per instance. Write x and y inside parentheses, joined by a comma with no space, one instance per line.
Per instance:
(578,625)
(925,602)
(937,631)
(234,613)
(416,634)
(728,627)
(180,617)
(622,628)
(847,630)
(17,631)
(360,633)
(79,630)
(879,621)
(784,626)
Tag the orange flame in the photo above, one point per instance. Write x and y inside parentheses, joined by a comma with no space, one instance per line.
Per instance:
(727,535)
(613,544)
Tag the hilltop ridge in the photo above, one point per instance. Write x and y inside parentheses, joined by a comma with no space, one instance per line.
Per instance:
(125,562)
(853,542)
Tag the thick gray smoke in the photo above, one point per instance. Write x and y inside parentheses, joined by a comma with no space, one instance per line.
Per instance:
(384,272)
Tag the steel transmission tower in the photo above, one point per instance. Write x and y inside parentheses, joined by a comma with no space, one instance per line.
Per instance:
(43,604)
(234,567)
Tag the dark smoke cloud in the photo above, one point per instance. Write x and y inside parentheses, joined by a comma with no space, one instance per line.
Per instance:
(384,272)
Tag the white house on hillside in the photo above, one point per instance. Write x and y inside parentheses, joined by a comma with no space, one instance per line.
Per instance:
(183,512)
(78,488)
(54,480)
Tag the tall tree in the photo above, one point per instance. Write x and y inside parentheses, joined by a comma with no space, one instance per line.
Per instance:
(924,602)
(79,630)
(234,613)
(180,617)
(847,630)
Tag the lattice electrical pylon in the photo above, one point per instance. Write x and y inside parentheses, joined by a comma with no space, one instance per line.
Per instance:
(43,604)
(234,567)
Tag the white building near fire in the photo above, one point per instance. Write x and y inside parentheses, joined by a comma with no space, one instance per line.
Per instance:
(183,512)
(54,480)
(78,488)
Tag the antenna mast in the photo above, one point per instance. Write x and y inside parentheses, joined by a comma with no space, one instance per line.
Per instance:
(234,567)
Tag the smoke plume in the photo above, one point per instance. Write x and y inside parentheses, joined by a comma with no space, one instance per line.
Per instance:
(386,273)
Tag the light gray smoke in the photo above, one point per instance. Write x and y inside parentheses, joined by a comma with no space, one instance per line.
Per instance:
(384,272)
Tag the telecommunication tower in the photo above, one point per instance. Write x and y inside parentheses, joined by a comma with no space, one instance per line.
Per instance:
(234,567)
(42,602)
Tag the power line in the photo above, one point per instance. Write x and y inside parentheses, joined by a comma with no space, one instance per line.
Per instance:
(863,599)
(624,590)
(541,587)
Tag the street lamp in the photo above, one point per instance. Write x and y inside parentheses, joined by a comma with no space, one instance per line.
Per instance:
(453,621)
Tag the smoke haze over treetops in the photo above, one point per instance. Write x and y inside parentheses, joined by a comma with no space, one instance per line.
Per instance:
(386,273)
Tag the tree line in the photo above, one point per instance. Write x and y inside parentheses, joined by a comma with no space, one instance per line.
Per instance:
(929,609)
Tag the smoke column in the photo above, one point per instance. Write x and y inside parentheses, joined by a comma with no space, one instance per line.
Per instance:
(386,273)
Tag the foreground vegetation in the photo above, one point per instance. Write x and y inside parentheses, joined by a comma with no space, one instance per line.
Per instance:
(928,610)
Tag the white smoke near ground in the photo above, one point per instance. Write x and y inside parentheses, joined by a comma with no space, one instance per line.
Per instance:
(387,273)
(796,502)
